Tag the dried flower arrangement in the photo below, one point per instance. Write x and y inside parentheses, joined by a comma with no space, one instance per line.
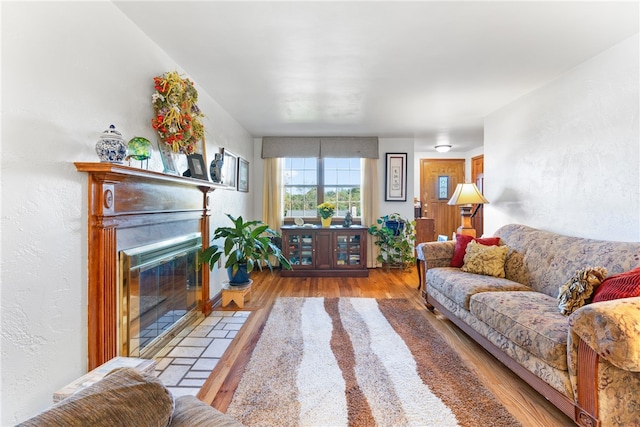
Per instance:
(177,116)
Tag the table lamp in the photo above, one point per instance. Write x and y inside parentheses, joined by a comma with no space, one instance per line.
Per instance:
(466,195)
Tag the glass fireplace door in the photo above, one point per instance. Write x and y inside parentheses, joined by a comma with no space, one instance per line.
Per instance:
(160,292)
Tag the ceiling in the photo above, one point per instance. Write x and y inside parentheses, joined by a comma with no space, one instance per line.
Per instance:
(426,70)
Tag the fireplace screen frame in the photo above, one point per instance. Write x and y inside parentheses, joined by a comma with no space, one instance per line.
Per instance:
(138,260)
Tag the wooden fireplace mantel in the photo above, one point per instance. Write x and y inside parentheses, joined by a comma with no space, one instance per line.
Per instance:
(122,197)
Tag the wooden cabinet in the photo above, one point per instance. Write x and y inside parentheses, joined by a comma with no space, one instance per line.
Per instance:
(425,230)
(332,251)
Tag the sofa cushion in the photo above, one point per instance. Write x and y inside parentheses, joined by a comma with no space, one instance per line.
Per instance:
(623,285)
(460,249)
(460,286)
(486,260)
(192,412)
(530,319)
(122,397)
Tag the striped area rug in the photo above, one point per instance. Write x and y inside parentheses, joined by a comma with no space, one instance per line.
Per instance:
(358,362)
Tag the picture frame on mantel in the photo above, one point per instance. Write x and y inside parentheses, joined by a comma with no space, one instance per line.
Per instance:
(230,167)
(168,162)
(197,166)
(243,175)
(396,177)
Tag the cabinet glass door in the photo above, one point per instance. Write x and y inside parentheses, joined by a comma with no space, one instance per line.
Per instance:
(348,249)
(300,249)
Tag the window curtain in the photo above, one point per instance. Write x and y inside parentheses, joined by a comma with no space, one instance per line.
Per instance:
(272,193)
(370,205)
(272,197)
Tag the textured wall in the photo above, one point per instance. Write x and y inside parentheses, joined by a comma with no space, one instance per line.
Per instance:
(64,80)
(566,157)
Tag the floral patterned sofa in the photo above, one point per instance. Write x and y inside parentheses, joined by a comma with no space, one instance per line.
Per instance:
(588,363)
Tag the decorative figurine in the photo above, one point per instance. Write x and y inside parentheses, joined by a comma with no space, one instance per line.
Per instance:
(348,219)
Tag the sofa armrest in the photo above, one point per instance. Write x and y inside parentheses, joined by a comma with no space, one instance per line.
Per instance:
(437,254)
(191,412)
(123,394)
(612,330)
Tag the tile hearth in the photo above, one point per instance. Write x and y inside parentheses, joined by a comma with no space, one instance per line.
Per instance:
(186,363)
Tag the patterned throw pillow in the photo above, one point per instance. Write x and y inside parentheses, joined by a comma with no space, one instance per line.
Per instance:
(624,285)
(487,260)
(460,249)
(579,288)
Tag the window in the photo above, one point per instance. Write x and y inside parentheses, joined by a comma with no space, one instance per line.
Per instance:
(310,181)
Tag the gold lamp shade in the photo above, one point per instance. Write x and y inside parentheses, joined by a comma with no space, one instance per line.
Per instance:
(465,195)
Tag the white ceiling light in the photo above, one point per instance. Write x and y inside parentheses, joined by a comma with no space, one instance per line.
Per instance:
(442,148)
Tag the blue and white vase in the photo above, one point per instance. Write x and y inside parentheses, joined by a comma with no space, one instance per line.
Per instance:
(111,147)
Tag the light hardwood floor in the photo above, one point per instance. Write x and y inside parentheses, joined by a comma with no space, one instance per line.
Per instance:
(520,399)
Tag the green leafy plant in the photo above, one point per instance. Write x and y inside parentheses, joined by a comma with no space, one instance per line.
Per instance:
(249,243)
(396,238)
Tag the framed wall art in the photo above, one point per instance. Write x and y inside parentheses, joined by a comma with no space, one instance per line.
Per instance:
(230,169)
(396,178)
(197,166)
(243,175)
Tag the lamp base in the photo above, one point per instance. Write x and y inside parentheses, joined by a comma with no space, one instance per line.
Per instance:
(466,231)
(466,228)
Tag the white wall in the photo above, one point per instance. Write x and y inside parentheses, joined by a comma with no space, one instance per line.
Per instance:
(69,70)
(397,145)
(566,157)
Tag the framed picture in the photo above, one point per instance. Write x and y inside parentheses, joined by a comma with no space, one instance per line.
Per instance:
(230,169)
(167,159)
(396,178)
(197,166)
(243,175)
(443,187)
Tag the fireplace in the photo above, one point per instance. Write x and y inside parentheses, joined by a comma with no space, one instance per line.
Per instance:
(154,224)
(159,291)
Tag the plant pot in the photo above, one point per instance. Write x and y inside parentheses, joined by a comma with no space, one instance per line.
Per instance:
(396,226)
(240,278)
(326,222)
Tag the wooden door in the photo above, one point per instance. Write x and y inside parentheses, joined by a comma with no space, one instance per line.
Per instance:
(438,180)
(477,176)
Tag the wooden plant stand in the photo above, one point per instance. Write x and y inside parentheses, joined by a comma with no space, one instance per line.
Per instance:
(238,294)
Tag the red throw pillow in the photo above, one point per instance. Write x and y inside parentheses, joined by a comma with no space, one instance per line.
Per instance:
(461,247)
(624,285)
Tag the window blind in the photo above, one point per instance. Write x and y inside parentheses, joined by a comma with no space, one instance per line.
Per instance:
(320,147)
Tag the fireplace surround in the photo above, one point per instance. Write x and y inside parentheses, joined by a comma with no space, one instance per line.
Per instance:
(128,208)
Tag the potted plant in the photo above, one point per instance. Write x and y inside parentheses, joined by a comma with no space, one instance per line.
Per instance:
(247,245)
(326,211)
(396,238)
